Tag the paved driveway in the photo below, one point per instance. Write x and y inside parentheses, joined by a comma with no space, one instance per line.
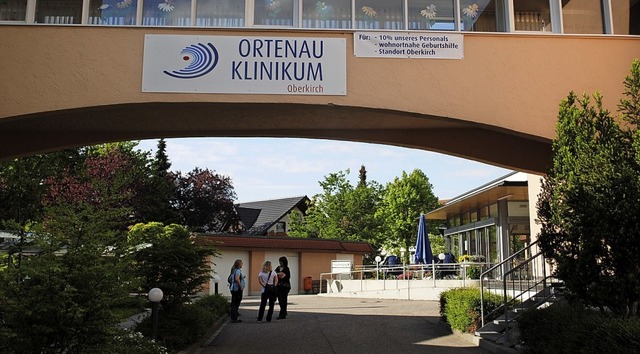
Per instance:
(318,324)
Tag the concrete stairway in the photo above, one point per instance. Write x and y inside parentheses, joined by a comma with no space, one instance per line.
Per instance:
(502,334)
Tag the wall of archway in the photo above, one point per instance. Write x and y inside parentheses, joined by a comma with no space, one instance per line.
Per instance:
(63,86)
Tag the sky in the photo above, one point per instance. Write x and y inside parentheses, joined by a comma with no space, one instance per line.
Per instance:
(274,168)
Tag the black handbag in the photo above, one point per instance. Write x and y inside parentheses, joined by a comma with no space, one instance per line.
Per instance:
(269,288)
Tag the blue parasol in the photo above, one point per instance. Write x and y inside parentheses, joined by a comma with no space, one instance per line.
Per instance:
(424,255)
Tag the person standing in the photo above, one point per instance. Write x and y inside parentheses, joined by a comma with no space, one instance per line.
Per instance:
(268,280)
(237,284)
(284,286)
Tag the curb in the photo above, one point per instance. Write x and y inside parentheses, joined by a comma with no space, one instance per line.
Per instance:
(485,344)
(467,336)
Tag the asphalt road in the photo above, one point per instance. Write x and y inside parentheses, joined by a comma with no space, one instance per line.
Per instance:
(318,324)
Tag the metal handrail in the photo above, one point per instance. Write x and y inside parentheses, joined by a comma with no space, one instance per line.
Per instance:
(532,278)
(520,266)
(415,272)
(498,265)
(511,257)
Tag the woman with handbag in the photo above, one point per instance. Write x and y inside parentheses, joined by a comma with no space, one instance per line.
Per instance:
(284,286)
(236,287)
(268,280)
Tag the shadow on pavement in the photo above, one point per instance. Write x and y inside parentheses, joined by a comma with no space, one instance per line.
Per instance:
(318,324)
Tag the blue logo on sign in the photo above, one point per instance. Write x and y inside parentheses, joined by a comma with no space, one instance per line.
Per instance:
(201,60)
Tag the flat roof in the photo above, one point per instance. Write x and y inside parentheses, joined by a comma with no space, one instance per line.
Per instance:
(513,186)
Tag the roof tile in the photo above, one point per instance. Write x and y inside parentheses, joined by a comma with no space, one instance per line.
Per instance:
(265,242)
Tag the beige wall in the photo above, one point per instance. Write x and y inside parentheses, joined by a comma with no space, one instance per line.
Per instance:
(64,86)
(312,264)
(306,264)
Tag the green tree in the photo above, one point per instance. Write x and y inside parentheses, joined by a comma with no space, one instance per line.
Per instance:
(342,211)
(173,262)
(160,190)
(589,207)
(22,187)
(405,198)
(437,244)
(60,299)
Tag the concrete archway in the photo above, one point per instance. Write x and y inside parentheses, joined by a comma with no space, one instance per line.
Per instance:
(75,85)
(54,130)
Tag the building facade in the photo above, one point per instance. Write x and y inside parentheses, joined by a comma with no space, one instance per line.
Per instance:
(493,221)
(81,69)
(555,16)
(308,258)
(77,69)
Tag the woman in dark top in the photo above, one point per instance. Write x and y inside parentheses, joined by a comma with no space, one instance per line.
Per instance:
(284,286)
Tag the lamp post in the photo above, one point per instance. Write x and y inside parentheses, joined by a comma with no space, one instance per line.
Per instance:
(216,280)
(155,296)
(378,259)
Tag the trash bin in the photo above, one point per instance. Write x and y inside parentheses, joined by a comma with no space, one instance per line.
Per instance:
(308,283)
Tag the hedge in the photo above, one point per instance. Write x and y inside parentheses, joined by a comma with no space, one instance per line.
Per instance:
(460,307)
(184,325)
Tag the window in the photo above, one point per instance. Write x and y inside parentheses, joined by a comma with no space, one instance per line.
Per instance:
(532,15)
(112,12)
(493,210)
(478,15)
(281,227)
(379,14)
(220,13)
(58,11)
(484,213)
(434,15)
(493,245)
(455,245)
(472,243)
(559,16)
(273,13)
(166,13)
(626,17)
(583,17)
(326,14)
(13,10)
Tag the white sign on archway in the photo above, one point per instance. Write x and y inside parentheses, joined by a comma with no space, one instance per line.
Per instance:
(244,65)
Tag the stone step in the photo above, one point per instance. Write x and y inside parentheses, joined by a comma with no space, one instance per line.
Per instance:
(501,322)
(489,328)
(492,337)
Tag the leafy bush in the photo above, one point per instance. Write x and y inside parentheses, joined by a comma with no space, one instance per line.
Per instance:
(460,307)
(128,306)
(218,305)
(571,329)
(473,272)
(181,326)
(125,342)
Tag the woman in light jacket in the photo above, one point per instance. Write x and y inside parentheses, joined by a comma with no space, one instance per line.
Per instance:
(236,287)
(268,280)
